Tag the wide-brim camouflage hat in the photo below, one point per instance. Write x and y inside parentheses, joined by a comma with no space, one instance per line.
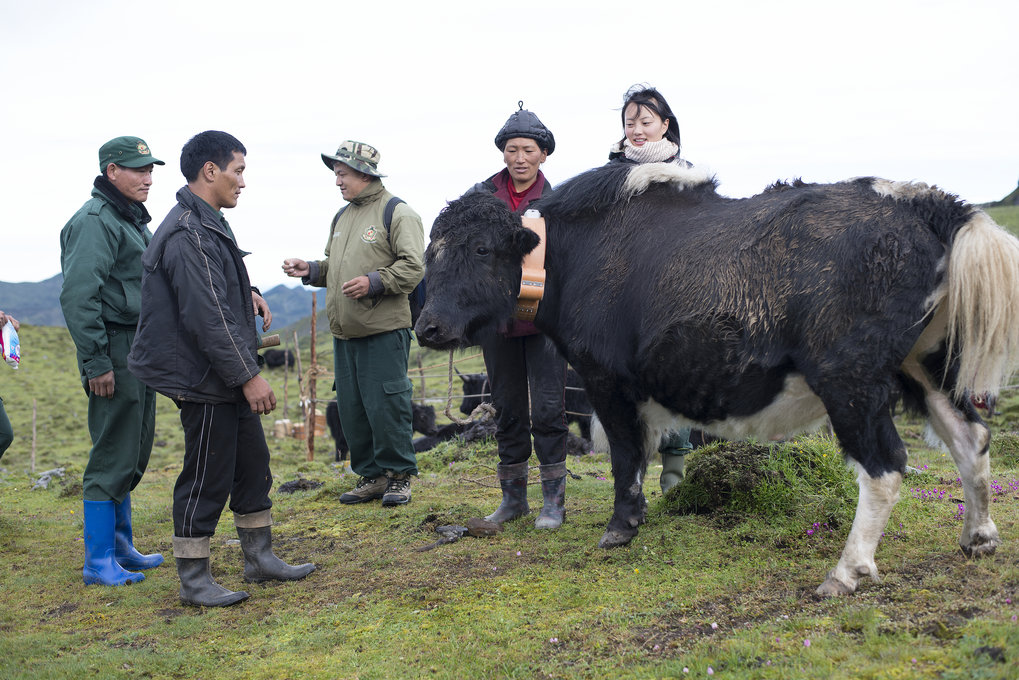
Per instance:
(358,155)
(127,152)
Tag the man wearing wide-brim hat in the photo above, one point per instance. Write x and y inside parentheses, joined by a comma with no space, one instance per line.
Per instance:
(374,258)
(100,255)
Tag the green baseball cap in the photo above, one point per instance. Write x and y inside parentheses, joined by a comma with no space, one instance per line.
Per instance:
(128,152)
(358,155)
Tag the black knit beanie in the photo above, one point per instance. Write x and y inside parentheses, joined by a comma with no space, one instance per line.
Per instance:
(523,123)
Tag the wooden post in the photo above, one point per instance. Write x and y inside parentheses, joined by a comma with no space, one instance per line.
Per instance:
(309,421)
(286,374)
(34,410)
(300,378)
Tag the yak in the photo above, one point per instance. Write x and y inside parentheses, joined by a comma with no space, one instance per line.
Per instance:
(756,316)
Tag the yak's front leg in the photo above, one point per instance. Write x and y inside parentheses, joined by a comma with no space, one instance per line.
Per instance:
(878,496)
(867,434)
(628,446)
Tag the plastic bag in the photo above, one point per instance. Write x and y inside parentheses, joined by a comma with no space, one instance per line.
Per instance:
(10,345)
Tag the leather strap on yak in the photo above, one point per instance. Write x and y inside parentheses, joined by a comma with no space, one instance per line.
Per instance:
(532,275)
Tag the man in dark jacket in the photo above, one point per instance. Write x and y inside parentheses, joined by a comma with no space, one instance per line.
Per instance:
(100,254)
(526,373)
(197,344)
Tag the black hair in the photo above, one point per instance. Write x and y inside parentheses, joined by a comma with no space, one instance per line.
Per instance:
(211,145)
(647,97)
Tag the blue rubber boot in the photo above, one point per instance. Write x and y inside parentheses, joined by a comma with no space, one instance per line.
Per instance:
(126,555)
(100,566)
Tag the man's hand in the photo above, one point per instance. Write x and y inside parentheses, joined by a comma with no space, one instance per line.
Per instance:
(103,385)
(357,287)
(4,318)
(260,396)
(262,310)
(296,267)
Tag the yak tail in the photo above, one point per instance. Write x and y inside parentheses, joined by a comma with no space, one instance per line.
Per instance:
(983,305)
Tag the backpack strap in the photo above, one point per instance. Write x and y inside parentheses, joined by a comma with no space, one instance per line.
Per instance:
(337,219)
(387,215)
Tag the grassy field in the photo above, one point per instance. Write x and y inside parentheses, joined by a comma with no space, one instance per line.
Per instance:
(727,593)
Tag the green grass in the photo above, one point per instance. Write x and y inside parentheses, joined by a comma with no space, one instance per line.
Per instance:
(1007,217)
(732,590)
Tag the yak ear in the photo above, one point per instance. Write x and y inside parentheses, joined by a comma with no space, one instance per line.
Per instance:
(525,240)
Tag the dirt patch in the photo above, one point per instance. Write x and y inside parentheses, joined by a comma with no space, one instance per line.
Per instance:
(169,615)
(71,489)
(64,608)
(300,484)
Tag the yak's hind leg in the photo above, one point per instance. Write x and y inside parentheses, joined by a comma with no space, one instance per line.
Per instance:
(868,437)
(968,439)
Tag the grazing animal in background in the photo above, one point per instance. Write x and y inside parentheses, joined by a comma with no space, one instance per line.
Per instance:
(275,358)
(578,407)
(756,316)
(423,421)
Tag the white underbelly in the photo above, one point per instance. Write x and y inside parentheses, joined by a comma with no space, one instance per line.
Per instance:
(794,410)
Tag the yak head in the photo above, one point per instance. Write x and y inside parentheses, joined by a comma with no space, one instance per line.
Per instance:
(472,265)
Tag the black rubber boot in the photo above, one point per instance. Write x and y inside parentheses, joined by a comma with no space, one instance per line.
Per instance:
(198,588)
(513,480)
(260,564)
(553,491)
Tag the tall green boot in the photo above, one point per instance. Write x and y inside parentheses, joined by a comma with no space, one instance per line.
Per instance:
(674,447)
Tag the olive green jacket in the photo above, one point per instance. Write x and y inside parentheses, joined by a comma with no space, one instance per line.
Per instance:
(101,250)
(358,245)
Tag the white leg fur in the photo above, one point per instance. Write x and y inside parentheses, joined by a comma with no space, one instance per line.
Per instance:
(877,498)
(966,441)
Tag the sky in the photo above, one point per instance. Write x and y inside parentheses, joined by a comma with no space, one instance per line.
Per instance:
(923,90)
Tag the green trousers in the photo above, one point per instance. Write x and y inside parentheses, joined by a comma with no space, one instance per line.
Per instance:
(373,396)
(121,428)
(676,443)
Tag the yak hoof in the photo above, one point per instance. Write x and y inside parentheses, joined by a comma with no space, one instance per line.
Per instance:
(832,587)
(980,547)
(615,539)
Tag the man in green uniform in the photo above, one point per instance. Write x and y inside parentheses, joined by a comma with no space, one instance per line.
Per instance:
(372,263)
(100,255)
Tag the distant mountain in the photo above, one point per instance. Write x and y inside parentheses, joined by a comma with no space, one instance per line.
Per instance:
(290,305)
(1011,199)
(38,304)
